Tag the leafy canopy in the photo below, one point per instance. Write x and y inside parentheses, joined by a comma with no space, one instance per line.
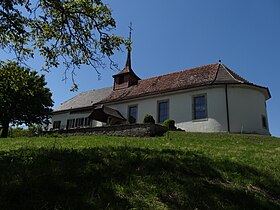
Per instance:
(73,32)
(24,97)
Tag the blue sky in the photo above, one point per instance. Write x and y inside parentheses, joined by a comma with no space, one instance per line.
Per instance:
(170,36)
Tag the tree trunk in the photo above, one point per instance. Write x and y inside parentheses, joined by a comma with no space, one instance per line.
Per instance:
(5,129)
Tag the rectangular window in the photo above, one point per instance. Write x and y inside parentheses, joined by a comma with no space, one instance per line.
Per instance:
(70,123)
(132,114)
(87,122)
(121,79)
(79,122)
(264,122)
(163,111)
(56,124)
(199,107)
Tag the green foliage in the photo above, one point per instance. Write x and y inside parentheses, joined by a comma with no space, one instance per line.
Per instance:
(36,129)
(149,119)
(193,171)
(18,132)
(32,131)
(24,99)
(75,32)
(170,124)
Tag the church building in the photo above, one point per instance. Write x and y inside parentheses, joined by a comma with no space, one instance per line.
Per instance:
(209,98)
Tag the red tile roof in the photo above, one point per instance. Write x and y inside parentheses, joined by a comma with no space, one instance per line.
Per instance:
(195,77)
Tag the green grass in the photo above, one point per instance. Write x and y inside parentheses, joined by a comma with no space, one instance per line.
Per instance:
(190,171)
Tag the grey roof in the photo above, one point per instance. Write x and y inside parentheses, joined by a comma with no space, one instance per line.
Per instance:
(85,99)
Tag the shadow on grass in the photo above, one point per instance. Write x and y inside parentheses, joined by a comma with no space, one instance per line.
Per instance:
(125,178)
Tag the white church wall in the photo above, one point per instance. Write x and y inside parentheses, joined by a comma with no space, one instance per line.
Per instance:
(180,109)
(247,107)
(216,107)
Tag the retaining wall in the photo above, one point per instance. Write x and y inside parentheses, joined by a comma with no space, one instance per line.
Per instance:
(136,130)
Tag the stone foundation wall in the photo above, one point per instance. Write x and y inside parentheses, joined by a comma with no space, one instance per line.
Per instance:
(136,130)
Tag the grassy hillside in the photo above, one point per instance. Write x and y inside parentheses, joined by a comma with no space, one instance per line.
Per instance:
(184,171)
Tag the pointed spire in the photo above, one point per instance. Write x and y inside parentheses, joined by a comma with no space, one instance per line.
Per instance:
(128,60)
(128,69)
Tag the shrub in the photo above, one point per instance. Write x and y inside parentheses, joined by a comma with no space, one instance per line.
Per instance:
(149,119)
(15,132)
(170,124)
(36,129)
(33,130)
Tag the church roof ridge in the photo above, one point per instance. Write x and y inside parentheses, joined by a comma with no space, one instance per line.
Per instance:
(210,74)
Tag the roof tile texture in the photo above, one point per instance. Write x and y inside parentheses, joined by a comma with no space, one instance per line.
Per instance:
(191,78)
(85,99)
(199,76)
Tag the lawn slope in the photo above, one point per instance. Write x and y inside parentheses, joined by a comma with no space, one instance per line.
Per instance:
(182,171)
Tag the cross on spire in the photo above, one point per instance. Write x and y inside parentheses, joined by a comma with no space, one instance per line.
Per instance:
(126,77)
(130,30)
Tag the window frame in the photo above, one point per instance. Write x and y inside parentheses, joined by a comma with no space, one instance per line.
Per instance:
(70,123)
(264,121)
(129,113)
(79,122)
(194,117)
(87,122)
(158,109)
(56,125)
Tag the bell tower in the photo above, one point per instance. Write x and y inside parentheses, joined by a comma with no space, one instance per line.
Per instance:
(126,77)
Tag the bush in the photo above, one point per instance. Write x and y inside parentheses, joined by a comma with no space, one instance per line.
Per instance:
(170,124)
(33,130)
(149,119)
(15,132)
(36,129)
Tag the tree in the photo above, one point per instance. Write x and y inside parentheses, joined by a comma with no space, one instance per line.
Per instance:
(75,32)
(24,97)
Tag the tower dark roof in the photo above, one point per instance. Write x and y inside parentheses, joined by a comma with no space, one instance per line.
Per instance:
(127,69)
